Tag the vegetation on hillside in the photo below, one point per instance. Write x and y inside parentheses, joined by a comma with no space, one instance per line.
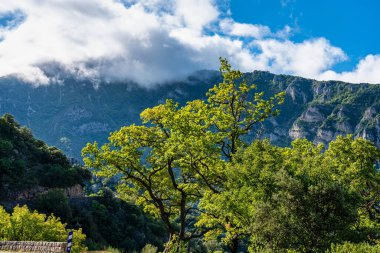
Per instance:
(106,220)
(74,113)
(26,162)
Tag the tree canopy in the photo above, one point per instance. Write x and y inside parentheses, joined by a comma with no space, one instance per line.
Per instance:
(167,163)
(301,198)
(196,168)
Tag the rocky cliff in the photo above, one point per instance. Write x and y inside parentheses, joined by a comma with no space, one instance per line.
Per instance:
(75,112)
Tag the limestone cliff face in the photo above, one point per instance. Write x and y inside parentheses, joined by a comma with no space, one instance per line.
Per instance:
(72,114)
(369,125)
(340,109)
(75,191)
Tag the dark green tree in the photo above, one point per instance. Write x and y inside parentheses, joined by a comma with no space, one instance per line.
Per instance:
(300,198)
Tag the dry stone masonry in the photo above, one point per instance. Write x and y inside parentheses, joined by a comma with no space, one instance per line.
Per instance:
(36,247)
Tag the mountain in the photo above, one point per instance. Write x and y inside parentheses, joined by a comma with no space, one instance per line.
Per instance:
(74,112)
(29,166)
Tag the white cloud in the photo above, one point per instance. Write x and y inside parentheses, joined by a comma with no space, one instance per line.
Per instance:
(233,28)
(196,13)
(307,59)
(136,40)
(153,41)
(367,70)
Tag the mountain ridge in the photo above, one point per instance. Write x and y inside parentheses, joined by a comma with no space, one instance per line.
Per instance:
(70,114)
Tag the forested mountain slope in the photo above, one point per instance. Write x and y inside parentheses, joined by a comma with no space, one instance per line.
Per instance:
(40,176)
(70,114)
(27,163)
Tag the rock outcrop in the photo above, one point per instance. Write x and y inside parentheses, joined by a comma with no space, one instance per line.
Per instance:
(74,113)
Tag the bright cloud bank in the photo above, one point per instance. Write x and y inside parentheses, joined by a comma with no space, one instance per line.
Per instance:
(154,41)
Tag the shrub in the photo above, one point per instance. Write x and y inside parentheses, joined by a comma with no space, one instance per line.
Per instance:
(26,225)
(149,248)
(354,248)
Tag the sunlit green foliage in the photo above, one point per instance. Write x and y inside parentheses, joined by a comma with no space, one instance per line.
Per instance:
(149,249)
(300,198)
(166,164)
(25,225)
(195,169)
(354,248)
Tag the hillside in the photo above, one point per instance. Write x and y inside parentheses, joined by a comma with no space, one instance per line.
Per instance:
(40,176)
(30,165)
(75,112)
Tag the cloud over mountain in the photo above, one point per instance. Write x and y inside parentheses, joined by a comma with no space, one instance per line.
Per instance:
(154,41)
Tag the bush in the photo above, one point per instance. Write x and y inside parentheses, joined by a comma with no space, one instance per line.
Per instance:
(54,202)
(113,250)
(354,248)
(149,248)
(25,225)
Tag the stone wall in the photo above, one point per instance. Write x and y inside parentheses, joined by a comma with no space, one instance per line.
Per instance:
(37,247)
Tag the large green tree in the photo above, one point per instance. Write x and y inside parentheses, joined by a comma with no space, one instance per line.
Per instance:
(179,153)
(302,198)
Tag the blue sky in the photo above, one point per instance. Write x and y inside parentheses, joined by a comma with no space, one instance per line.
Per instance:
(352,25)
(155,41)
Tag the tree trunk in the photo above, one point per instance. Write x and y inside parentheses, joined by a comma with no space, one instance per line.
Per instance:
(182,216)
(234,244)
